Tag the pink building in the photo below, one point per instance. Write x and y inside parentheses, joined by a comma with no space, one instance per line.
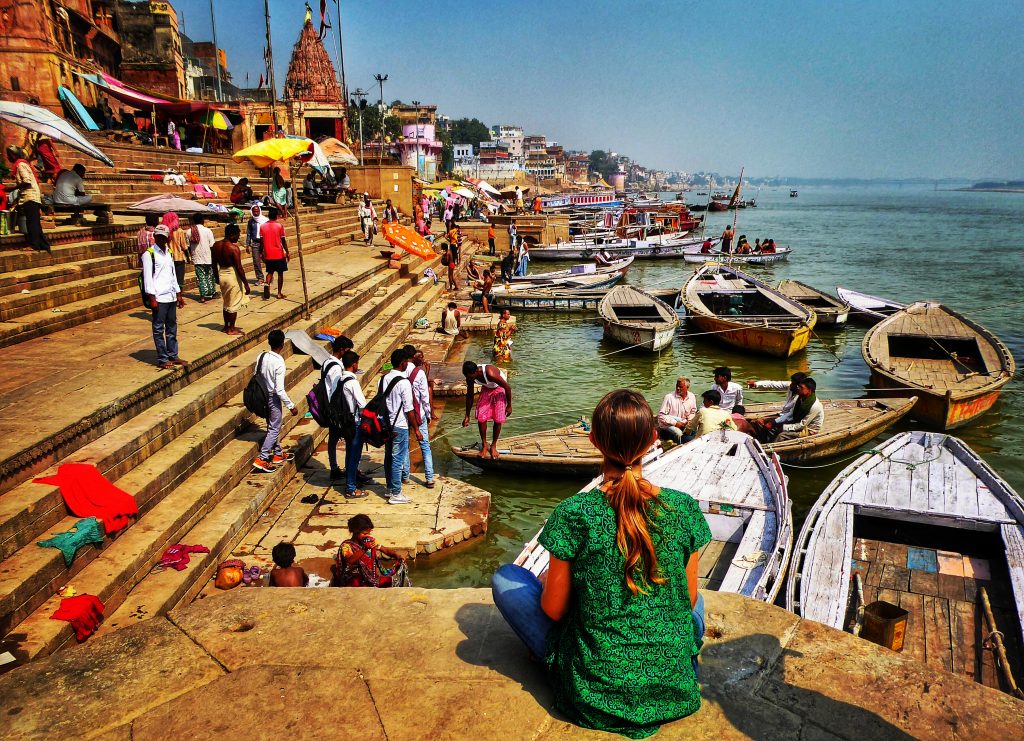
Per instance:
(419,147)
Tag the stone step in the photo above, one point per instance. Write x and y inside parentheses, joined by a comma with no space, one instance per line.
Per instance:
(14,259)
(241,509)
(14,306)
(128,559)
(33,279)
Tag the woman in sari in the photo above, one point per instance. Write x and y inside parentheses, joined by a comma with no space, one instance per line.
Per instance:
(358,561)
(279,192)
(503,337)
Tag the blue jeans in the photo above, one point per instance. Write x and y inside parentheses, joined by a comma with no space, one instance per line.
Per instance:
(353,454)
(396,453)
(516,593)
(165,331)
(275,413)
(428,457)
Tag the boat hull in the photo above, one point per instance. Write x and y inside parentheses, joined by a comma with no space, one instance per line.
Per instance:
(944,411)
(697,257)
(651,340)
(670,249)
(509,463)
(779,343)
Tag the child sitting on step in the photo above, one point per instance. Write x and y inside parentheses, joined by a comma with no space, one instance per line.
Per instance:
(284,573)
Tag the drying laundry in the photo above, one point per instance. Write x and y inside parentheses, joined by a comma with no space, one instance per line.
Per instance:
(84,532)
(177,556)
(88,494)
(84,612)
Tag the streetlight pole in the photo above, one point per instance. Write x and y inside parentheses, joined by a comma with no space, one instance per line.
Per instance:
(270,70)
(216,53)
(381,79)
(418,173)
(360,95)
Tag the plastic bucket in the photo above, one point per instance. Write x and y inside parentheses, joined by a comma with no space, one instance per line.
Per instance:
(885,624)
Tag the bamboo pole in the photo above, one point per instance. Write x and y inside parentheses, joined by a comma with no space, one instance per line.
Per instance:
(298,240)
(997,638)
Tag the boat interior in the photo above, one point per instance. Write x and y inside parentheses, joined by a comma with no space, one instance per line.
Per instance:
(958,354)
(910,565)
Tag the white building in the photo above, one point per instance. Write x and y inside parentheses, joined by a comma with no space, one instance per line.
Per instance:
(513,136)
(462,153)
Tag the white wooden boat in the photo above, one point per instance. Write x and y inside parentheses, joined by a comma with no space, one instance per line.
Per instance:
(955,367)
(925,523)
(831,311)
(742,311)
(759,258)
(665,246)
(562,300)
(577,271)
(742,493)
(637,319)
(602,280)
(868,309)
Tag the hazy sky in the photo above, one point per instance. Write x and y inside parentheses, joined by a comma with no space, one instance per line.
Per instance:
(822,88)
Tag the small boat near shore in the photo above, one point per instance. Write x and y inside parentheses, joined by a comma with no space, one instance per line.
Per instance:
(576,271)
(600,280)
(831,311)
(849,423)
(955,367)
(742,493)
(563,451)
(753,258)
(565,300)
(868,309)
(744,312)
(637,319)
(926,527)
(660,247)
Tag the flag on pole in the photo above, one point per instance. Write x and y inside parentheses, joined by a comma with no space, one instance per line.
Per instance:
(262,81)
(325,22)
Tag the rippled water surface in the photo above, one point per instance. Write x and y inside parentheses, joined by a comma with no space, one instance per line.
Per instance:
(964,249)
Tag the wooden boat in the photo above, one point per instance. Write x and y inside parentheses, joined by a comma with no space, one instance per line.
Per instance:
(603,280)
(849,423)
(742,493)
(637,319)
(868,309)
(924,523)
(564,451)
(566,300)
(745,312)
(754,258)
(831,311)
(793,194)
(577,271)
(955,367)
(659,247)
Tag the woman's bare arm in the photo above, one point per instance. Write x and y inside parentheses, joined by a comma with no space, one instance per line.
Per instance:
(557,589)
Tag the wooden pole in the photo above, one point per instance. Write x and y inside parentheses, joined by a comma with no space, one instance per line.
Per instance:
(997,638)
(298,241)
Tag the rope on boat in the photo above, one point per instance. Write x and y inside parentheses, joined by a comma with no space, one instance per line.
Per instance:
(835,462)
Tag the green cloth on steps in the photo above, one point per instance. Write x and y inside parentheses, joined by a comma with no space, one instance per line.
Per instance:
(85,531)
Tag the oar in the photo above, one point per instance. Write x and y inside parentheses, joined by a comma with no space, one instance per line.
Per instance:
(996,637)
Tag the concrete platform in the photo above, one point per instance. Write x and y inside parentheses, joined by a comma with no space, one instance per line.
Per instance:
(442,664)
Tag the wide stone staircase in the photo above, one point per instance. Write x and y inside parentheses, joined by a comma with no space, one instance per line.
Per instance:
(181,442)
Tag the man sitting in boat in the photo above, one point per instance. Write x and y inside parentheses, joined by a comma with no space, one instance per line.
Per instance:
(711,417)
(808,413)
(677,409)
(765,430)
(740,420)
(730,394)
(768,248)
(705,248)
(743,246)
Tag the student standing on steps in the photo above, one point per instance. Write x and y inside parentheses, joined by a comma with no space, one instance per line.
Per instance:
(273,372)
(402,415)
(253,243)
(418,370)
(163,294)
(343,374)
(201,241)
(275,252)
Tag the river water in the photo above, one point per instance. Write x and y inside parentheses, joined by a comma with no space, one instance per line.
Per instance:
(964,249)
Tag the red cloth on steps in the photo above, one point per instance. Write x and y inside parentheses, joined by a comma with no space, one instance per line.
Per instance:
(83,611)
(88,494)
(176,557)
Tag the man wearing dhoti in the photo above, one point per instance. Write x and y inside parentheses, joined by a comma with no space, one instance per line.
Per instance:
(229,274)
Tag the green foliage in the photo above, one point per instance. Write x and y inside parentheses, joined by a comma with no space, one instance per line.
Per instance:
(601,163)
(372,122)
(469,131)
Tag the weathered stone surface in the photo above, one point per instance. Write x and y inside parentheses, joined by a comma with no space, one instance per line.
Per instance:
(268,702)
(103,684)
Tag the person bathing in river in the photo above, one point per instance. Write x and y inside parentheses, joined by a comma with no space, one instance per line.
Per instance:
(495,402)
(617,618)
(485,290)
(503,337)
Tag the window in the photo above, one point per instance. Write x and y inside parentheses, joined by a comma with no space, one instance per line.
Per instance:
(15,84)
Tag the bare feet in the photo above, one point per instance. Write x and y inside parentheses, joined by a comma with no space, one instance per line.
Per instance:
(484,451)
(233,331)
(281,295)
(494,451)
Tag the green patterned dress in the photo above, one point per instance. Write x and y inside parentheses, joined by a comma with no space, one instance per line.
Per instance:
(621,663)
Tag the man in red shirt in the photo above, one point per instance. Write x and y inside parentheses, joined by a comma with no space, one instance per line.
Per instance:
(275,252)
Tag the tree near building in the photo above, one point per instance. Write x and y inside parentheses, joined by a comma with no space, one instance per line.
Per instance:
(601,163)
(461,131)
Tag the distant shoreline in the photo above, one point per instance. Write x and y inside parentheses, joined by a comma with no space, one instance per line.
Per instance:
(989,190)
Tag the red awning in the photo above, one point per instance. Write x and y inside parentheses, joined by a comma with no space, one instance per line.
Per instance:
(146,101)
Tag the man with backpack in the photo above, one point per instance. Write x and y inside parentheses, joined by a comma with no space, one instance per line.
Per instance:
(270,370)
(345,409)
(163,297)
(418,371)
(396,392)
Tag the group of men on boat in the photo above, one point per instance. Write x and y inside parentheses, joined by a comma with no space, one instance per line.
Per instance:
(743,247)
(680,420)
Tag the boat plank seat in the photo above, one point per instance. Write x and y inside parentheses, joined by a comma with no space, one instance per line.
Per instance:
(832,545)
(1013,540)
(746,566)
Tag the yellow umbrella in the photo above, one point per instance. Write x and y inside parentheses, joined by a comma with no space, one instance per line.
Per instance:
(266,153)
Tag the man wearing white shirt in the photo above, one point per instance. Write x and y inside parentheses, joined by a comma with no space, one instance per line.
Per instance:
(342,374)
(272,371)
(163,295)
(677,409)
(401,414)
(731,393)
(201,241)
(417,370)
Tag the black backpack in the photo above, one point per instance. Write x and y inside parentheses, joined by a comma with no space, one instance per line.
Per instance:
(375,423)
(319,404)
(343,419)
(255,395)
